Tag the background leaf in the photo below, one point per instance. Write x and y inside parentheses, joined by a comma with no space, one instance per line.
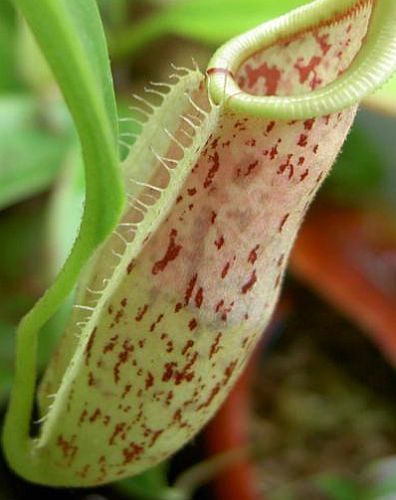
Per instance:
(209,21)
(30,153)
(384,100)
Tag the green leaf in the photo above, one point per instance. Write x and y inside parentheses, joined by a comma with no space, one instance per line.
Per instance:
(8,76)
(30,153)
(70,35)
(151,485)
(209,21)
(337,487)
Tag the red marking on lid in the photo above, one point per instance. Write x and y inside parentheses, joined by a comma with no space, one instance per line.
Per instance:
(271,75)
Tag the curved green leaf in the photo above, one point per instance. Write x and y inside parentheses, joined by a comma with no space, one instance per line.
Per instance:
(70,34)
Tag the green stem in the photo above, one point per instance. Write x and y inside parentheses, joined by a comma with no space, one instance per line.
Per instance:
(93,110)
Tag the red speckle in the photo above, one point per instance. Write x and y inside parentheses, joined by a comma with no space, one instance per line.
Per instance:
(189,289)
(199,297)
(229,371)
(95,415)
(225,270)
(91,379)
(304,175)
(171,254)
(213,217)
(149,380)
(156,322)
(131,265)
(122,358)
(169,398)
(214,143)
(308,124)
(154,437)
(185,374)
(249,168)
(168,373)
(285,165)
(253,255)
(179,199)
(250,283)
(132,453)
(219,242)
(214,348)
(141,312)
(315,148)
(303,140)
(323,42)
(212,395)
(250,142)
(188,345)
(192,324)
(110,345)
(283,222)
(88,347)
(213,169)
(127,389)
(191,191)
(178,306)
(219,305)
(273,152)
(270,126)
(69,449)
(305,70)
(118,316)
(124,302)
(301,161)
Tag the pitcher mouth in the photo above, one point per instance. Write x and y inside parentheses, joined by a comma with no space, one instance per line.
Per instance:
(374,63)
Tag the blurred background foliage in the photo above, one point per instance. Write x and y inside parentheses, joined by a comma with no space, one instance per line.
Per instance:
(41,198)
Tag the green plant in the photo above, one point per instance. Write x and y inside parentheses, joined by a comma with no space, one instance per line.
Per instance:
(195,182)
